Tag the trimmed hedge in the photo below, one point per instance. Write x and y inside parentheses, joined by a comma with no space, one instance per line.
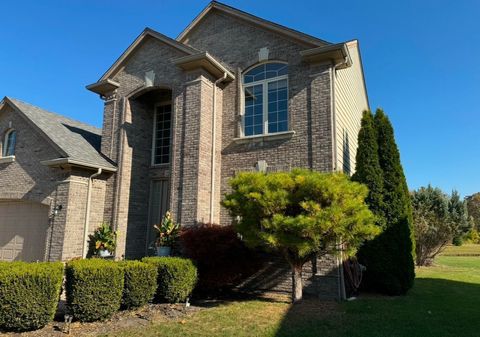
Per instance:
(29,294)
(94,288)
(176,278)
(140,283)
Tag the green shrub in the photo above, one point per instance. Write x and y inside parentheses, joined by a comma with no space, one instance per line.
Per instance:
(176,278)
(29,294)
(94,288)
(140,283)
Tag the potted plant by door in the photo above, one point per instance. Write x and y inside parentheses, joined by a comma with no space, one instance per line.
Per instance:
(168,232)
(105,240)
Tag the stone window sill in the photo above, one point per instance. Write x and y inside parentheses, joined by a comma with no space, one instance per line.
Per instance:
(160,166)
(262,138)
(8,159)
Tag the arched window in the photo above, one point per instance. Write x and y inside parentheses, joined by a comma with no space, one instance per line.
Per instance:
(265,99)
(9,143)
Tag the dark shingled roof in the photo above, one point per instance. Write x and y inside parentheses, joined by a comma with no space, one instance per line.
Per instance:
(79,141)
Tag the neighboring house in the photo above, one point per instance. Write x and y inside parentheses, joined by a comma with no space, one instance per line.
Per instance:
(45,167)
(232,93)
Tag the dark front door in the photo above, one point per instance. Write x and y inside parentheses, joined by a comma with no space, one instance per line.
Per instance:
(158,206)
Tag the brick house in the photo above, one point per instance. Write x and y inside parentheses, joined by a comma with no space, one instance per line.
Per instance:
(232,92)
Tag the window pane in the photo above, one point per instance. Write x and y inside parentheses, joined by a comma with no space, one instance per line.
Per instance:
(272,127)
(282,126)
(10,143)
(258,129)
(282,115)
(162,134)
(253,118)
(265,71)
(277,106)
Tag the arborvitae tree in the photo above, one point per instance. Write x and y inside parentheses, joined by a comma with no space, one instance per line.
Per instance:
(390,257)
(368,170)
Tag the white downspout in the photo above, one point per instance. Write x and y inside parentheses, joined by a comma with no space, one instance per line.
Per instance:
(341,276)
(334,113)
(87,212)
(214,136)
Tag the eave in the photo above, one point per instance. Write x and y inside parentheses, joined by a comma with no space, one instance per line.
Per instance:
(60,162)
(206,61)
(103,87)
(336,53)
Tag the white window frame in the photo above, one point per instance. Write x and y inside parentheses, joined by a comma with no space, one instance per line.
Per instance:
(154,135)
(5,143)
(264,83)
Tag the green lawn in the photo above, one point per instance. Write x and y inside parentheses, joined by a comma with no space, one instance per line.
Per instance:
(467,249)
(445,301)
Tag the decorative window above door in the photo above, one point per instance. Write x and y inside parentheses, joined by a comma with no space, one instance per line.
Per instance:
(161,134)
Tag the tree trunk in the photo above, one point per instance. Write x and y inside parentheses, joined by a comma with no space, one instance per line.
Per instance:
(297,284)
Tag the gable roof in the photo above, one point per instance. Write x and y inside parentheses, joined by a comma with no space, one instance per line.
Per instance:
(269,25)
(147,32)
(78,143)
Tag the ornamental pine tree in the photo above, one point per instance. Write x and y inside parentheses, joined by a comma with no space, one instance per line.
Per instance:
(300,214)
(389,258)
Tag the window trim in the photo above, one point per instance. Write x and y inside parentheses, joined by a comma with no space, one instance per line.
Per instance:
(154,134)
(5,143)
(264,84)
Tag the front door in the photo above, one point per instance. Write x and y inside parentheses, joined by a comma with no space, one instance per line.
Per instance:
(158,206)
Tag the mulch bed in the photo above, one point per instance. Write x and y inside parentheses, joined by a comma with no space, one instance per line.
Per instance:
(149,314)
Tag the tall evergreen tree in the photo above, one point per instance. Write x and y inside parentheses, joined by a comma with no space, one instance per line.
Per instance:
(390,257)
(460,217)
(368,170)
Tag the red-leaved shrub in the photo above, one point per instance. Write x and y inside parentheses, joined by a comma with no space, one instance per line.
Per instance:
(221,257)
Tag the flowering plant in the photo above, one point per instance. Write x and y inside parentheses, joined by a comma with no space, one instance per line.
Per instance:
(168,231)
(104,238)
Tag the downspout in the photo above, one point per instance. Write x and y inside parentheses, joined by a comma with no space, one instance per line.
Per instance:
(341,276)
(214,136)
(87,212)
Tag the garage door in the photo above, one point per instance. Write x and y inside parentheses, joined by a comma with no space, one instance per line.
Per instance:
(23,231)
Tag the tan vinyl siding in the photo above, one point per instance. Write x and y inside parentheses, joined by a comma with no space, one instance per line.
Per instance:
(350,101)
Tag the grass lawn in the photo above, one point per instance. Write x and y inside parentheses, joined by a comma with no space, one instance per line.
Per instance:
(467,249)
(445,301)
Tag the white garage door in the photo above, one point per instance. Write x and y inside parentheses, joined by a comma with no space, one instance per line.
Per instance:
(23,231)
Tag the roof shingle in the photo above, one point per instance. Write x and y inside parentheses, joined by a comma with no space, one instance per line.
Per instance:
(79,141)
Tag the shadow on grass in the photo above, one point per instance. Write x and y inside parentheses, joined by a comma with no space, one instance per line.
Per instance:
(434,307)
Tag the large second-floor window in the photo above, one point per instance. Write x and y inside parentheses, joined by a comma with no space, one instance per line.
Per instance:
(161,134)
(9,143)
(266,99)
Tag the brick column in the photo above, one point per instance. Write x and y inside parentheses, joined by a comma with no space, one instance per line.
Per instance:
(194,151)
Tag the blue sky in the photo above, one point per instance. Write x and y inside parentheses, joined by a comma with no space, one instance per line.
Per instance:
(420,59)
